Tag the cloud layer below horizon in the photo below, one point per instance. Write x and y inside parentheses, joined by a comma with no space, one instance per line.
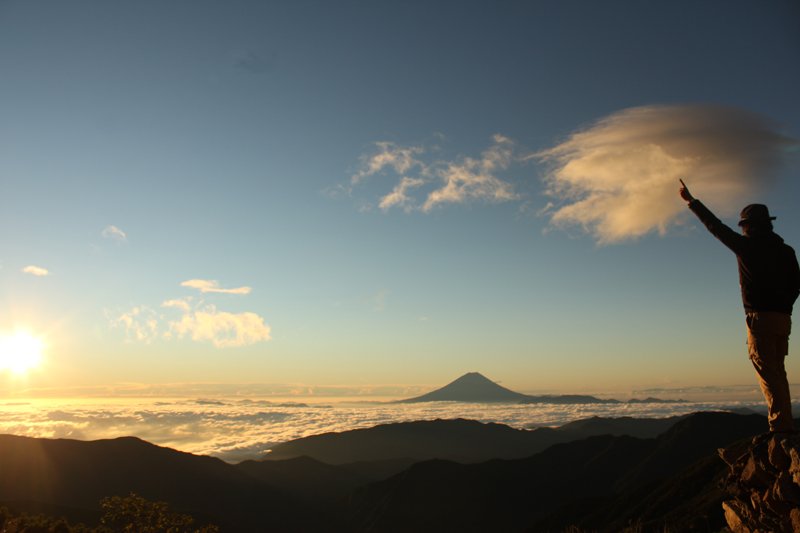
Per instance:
(618,178)
(238,431)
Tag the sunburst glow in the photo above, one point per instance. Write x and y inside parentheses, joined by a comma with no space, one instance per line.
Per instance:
(19,352)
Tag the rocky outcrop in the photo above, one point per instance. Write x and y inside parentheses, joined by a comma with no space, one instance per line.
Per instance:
(765,482)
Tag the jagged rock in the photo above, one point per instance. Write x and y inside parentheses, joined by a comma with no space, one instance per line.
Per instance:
(766,488)
(794,469)
(755,475)
(786,489)
(795,520)
(735,456)
(776,505)
(738,516)
(778,456)
(757,503)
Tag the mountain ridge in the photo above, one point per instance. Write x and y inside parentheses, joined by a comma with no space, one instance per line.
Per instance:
(511,495)
(305,494)
(459,440)
(473,387)
(79,474)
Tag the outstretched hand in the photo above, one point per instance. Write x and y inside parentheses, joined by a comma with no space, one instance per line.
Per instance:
(684,192)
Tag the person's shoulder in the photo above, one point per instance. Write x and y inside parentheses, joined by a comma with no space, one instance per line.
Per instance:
(774,238)
(778,240)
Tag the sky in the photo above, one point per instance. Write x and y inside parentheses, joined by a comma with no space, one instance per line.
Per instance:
(374,198)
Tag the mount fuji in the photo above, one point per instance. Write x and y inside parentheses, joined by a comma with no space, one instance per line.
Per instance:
(471,387)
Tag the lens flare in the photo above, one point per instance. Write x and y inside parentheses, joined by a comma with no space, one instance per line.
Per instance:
(20,352)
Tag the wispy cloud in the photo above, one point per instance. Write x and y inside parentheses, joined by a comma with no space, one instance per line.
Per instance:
(197,322)
(140,324)
(474,179)
(182,304)
(618,178)
(223,329)
(400,158)
(425,185)
(213,286)
(36,271)
(399,197)
(377,300)
(113,232)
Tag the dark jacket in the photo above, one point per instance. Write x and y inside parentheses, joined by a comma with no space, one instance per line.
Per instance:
(768,271)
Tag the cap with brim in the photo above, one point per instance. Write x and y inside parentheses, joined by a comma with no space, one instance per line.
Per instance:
(755,213)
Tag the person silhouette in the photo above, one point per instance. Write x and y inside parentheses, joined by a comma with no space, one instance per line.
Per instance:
(769,277)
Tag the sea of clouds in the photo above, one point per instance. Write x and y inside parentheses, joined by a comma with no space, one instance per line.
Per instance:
(239,430)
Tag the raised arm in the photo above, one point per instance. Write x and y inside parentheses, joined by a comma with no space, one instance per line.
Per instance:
(684,192)
(726,235)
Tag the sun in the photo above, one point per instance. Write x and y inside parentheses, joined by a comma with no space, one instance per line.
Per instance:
(20,352)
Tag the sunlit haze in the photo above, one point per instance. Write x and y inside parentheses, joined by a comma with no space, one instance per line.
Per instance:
(19,352)
(330,201)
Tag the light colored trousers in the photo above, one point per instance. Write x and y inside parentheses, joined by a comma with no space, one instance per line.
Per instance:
(768,341)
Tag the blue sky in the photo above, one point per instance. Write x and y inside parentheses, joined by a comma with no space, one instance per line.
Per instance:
(220,141)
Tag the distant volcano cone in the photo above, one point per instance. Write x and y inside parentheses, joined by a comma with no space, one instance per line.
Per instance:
(471,387)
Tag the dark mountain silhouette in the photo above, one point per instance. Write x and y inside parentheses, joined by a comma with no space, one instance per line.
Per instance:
(565,399)
(379,470)
(612,476)
(74,515)
(511,495)
(306,478)
(471,387)
(650,399)
(689,501)
(475,388)
(568,399)
(459,440)
(380,447)
(643,428)
(80,474)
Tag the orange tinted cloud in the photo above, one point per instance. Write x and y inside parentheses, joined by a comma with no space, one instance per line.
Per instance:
(618,179)
(400,158)
(440,182)
(223,329)
(213,286)
(182,304)
(36,271)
